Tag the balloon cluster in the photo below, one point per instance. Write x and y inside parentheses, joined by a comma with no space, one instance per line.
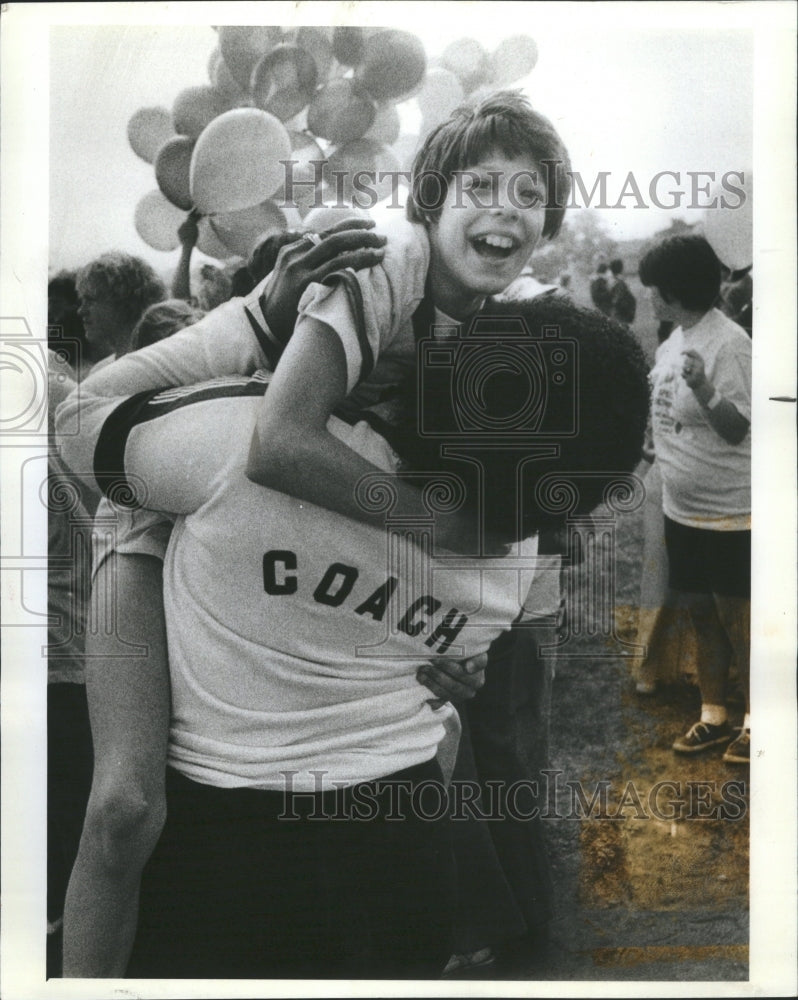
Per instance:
(325,99)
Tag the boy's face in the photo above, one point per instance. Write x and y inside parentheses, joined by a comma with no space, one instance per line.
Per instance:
(491,221)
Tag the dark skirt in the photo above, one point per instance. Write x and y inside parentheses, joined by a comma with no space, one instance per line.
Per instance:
(356,883)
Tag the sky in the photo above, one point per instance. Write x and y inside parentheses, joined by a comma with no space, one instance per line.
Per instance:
(627,93)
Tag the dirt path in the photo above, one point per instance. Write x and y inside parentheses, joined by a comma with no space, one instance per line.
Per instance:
(660,892)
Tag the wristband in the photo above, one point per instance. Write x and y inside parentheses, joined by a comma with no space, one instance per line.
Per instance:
(713,401)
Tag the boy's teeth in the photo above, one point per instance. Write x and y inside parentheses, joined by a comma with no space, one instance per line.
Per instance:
(503,242)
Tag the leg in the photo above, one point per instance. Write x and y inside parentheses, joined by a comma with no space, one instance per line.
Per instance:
(734,614)
(714,650)
(389,880)
(509,723)
(691,555)
(487,913)
(69,771)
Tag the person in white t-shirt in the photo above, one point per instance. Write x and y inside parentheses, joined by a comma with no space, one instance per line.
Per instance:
(701,413)
(291,693)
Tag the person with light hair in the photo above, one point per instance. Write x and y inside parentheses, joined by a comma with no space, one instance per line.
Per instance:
(114,290)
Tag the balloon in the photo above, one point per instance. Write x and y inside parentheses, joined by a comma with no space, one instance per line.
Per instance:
(328,215)
(367,172)
(479,94)
(283,81)
(157,221)
(729,225)
(236,161)
(514,58)
(147,130)
(172,169)
(317,42)
(194,108)
(228,91)
(242,47)
(209,243)
(441,94)
(241,231)
(468,61)
(405,149)
(393,64)
(348,45)
(341,112)
(386,127)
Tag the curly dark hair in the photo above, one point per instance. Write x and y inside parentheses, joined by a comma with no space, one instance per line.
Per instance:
(587,426)
(503,122)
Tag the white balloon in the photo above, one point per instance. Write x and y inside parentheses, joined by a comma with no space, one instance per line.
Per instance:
(729,222)
(236,162)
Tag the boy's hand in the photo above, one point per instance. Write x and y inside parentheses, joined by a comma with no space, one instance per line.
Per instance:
(347,244)
(452,680)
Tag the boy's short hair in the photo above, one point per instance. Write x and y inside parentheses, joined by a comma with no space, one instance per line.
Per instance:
(597,418)
(616,266)
(127,281)
(504,122)
(685,269)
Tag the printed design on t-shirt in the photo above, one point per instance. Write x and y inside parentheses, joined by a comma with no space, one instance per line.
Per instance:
(337,583)
(662,402)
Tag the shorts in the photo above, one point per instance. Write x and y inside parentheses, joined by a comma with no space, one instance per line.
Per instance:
(708,562)
(268,885)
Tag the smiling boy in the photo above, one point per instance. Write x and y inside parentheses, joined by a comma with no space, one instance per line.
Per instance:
(486,186)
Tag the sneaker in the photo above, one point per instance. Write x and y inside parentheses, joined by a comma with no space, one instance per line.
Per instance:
(702,736)
(739,750)
(457,964)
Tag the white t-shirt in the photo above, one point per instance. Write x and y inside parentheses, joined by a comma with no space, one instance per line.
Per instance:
(706,480)
(294,633)
(130,532)
(234,339)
